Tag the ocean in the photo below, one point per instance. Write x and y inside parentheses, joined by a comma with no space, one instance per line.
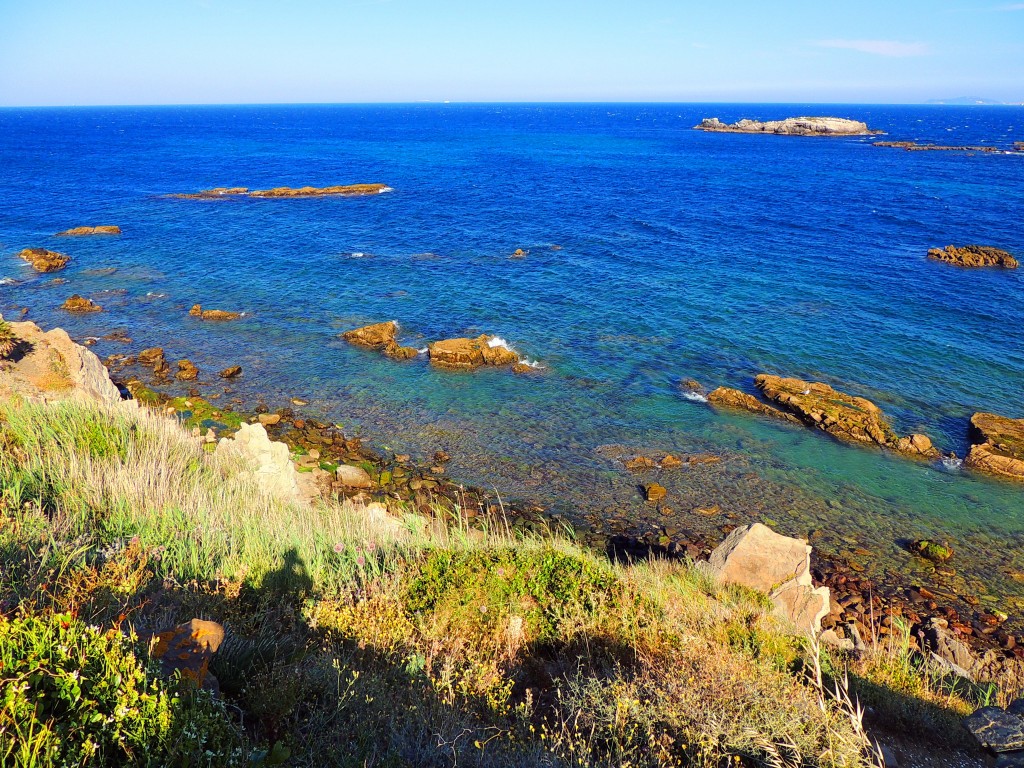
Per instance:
(680,254)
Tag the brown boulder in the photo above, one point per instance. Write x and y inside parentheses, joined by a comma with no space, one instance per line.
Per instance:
(231,372)
(80,304)
(466,354)
(187,649)
(846,417)
(973,256)
(154,358)
(380,336)
(374,336)
(655,492)
(103,229)
(43,260)
(353,477)
(212,314)
(187,371)
(757,557)
(999,447)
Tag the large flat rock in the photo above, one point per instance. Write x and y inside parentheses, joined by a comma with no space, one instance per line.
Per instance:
(999,449)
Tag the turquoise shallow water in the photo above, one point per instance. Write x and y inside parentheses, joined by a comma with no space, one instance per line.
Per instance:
(683,254)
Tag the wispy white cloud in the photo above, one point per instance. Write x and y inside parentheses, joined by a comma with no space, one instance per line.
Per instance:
(878,47)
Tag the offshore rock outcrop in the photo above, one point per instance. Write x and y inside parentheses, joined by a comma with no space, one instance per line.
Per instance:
(819,406)
(80,305)
(103,229)
(381,336)
(347,190)
(846,417)
(467,354)
(999,449)
(792,126)
(43,260)
(212,314)
(973,256)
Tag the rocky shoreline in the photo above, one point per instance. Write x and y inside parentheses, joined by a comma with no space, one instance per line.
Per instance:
(331,462)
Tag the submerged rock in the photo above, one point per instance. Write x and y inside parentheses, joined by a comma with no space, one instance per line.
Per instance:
(792,126)
(103,229)
(466,354)
(757,557)
(999,445)
(213,314)
(937,552)
(231,372)
(80,304)
(973,256)
(43,260)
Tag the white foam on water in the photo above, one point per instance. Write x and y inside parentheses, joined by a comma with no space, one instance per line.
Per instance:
(382,190)
(952,464)
(696,397)
(535,364)
(497,341)
(8,281)
(357,255)
(155,295)
(422,351)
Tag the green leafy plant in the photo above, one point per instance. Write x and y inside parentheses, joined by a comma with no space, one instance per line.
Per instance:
(76,696)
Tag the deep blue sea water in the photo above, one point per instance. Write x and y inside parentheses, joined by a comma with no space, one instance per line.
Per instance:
(683,255)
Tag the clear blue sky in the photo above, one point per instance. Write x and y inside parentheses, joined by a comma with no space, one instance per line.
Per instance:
(62,52)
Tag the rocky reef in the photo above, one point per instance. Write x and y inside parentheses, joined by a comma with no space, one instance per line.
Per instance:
(348,190)
(846,417)
(973,256)
(382,336)
(792,126)
(43,260)
(913,146)
(999,447)
(103,229)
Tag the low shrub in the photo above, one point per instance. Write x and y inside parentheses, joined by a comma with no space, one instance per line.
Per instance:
(75,696)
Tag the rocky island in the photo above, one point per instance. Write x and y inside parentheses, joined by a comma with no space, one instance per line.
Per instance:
(349,190)
(102,229)
(973,256)
(791,126)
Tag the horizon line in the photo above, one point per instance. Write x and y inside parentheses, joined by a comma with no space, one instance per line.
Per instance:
(524,102)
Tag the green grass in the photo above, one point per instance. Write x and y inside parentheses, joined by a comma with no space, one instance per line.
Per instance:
(359,637)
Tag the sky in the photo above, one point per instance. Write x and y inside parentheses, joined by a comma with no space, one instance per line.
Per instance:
(106,52)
